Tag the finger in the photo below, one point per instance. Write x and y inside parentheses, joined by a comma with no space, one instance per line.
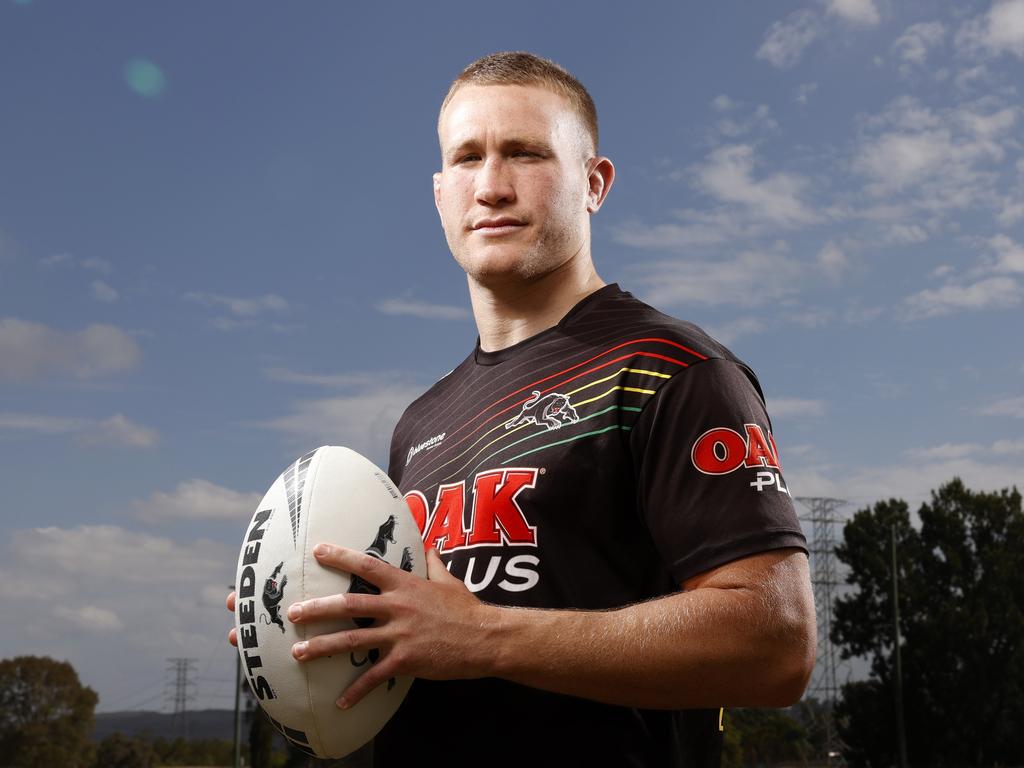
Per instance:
(381,671)
(339,642)
(343,606)
(378,572)
(233,637)
(436,569)
(231,601)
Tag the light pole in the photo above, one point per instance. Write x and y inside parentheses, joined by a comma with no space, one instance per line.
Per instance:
(900,732)
(238,711)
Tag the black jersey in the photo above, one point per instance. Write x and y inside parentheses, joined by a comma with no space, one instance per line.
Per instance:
(601,462)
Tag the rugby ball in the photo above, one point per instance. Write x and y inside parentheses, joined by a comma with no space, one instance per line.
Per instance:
(329,495)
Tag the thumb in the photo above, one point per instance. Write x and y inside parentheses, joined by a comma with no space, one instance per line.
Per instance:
(436,569)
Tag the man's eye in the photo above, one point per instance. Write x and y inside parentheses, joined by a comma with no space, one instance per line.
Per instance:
(523,153)
(467,158)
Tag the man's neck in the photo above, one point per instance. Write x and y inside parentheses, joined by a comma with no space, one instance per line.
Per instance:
(507,314)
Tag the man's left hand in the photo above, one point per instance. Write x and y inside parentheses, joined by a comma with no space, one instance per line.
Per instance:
(433,628)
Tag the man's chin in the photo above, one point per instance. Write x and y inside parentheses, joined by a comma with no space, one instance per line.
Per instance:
(499,267)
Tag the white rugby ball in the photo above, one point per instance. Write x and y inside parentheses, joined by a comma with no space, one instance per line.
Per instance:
(329,495)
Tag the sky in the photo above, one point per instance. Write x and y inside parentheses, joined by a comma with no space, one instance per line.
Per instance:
(219,249)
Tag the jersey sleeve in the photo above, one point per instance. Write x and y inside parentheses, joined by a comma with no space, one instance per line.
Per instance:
(709,481)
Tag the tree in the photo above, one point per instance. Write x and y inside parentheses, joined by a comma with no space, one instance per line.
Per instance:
(118,751)
(961,591)
(755,737)
(46,714)
(261,739)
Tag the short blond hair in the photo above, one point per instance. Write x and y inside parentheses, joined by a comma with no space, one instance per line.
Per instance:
(522,68)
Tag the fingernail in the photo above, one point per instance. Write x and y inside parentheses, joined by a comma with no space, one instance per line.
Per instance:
(320,550)
(299,649)
(294,611)
(342,703)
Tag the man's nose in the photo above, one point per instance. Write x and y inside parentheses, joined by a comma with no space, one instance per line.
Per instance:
(494,183)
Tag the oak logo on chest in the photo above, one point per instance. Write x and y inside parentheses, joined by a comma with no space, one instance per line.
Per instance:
(496,516)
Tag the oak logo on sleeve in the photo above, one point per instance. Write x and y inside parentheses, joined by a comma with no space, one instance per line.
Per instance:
(722,450)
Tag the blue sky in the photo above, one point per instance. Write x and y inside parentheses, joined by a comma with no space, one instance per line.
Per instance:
(218,249)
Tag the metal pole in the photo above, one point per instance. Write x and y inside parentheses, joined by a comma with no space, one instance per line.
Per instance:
(900,732)
(238,711)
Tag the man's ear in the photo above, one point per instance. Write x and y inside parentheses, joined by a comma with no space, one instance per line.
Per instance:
(437,192)
(600,182)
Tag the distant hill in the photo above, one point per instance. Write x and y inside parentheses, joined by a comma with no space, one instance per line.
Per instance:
(202,724)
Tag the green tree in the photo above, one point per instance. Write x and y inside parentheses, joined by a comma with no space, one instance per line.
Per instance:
(261,739)
(46,714)
(119,751)
(961,589)
(756,737)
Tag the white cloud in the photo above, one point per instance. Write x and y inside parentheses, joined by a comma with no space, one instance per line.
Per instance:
(1010,406)
(855,11)
(989,293)
(90,618)
(898,159)
(698,228)
(785,41)
(361,420)
(809,318)
(31,350)
(729,332)
(103,596)
(92,559)
(197,499)
(738,123)
(56,260)
(945,452)
(999,30)
(97,265)
(906,234)
(70,260)
(101,291)
(747,206)
(1012,212)
(421,309)
(728,175)
(240,306)
(1006,26)
(117,429)
(1008,447)
(722,103)
(334,380)
(1010,254)
(936,160)
(913,46)
(912,480)
(750,279)
(804,91)
(833,261)
(795,407)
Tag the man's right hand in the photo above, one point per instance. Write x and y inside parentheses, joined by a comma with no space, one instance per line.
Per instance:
(232,636)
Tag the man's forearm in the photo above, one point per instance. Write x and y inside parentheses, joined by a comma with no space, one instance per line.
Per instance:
(712,646)
(741,634)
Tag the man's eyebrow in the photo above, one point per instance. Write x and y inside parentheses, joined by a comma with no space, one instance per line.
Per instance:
(510,143)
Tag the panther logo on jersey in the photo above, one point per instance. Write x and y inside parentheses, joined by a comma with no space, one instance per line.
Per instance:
(552,410)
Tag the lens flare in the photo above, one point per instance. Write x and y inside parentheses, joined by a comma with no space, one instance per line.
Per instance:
(145,78)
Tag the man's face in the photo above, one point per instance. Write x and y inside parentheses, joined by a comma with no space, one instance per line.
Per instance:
(513,193)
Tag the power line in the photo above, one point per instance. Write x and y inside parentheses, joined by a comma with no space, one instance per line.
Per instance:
(824,578)
(180,672)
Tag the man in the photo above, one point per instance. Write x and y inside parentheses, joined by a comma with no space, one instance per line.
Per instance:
(599,479)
